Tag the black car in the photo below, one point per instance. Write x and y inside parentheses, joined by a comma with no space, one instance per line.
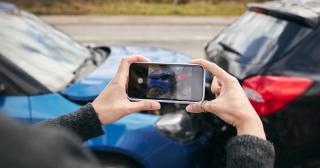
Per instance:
(274,51)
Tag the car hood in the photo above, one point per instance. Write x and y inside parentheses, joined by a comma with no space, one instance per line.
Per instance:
(89,86)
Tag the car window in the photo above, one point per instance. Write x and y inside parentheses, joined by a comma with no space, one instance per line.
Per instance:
(255,35)
(46,54)
(6,87)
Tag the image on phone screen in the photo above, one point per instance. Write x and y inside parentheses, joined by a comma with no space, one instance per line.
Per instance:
(181,82)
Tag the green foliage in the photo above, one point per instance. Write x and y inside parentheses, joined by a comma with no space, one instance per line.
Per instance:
(135,7)
(54,2)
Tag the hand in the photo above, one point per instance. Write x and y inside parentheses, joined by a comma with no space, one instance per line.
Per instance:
(112,104)
(231,103)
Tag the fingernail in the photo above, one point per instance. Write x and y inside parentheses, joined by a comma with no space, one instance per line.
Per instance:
(189,108)
(156,105)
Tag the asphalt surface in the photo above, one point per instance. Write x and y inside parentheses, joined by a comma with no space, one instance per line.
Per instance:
(185,34)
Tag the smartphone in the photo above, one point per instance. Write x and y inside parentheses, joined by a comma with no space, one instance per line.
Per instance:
(170,83)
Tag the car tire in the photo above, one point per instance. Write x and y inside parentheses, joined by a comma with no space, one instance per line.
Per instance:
(113,160)
(155,92)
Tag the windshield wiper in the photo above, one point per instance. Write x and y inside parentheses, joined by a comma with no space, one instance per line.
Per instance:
(85,61)
(93,55)
(92,58)
(229,48)
(77,71)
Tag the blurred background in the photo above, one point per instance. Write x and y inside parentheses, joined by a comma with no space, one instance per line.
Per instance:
(182,25)
(273,50)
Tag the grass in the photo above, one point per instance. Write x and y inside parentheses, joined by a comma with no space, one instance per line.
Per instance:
(134,8)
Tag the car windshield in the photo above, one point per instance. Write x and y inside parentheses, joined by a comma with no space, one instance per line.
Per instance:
(255,35)
(44,53)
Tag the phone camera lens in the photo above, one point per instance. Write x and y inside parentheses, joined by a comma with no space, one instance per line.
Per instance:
(140,80)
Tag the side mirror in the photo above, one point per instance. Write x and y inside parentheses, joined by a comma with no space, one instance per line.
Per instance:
(2,87)
(177,126)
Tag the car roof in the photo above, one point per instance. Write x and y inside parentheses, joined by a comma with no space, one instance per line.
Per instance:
(7,7)
(313,5)
(306,10)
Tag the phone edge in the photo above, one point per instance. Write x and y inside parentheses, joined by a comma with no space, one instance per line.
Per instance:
(175,101)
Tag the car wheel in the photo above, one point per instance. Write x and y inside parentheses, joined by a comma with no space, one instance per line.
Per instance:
(113,160)
(155,92)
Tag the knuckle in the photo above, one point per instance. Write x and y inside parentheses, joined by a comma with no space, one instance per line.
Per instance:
(213,89)
(199,60)
(233,79)
(125,60)
(209,106)
(212,106)
(212,63)
(205,62)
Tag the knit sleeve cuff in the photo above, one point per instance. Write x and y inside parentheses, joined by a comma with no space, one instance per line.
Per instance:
(84,122)
(250,151)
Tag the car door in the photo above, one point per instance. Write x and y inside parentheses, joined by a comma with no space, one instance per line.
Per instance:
(16,106)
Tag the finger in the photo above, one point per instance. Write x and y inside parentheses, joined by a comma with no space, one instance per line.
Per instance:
(123,69)
(143,106)
(194,108)
(216,87)
(213,68)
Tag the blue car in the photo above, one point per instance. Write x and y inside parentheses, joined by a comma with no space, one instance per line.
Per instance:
(45,74)
(161,83)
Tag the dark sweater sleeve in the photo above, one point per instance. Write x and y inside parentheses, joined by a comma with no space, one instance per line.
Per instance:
(32,147)
(83,122)
(248,151)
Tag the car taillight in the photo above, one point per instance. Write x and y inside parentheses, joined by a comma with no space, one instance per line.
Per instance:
(269,94)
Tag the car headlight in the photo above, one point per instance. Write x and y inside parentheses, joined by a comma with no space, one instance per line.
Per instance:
(177,126)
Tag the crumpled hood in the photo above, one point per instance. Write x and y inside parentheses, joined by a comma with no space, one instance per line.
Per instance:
(91,85)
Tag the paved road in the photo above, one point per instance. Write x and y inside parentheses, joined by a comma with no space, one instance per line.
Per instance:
(186,34)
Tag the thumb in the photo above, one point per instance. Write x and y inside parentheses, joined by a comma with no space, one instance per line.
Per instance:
(194,108)
(144,105)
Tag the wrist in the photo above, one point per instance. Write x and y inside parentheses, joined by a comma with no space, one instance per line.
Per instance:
(98,112)
(251,127)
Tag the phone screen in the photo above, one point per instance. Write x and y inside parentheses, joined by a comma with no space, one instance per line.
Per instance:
(167,82)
